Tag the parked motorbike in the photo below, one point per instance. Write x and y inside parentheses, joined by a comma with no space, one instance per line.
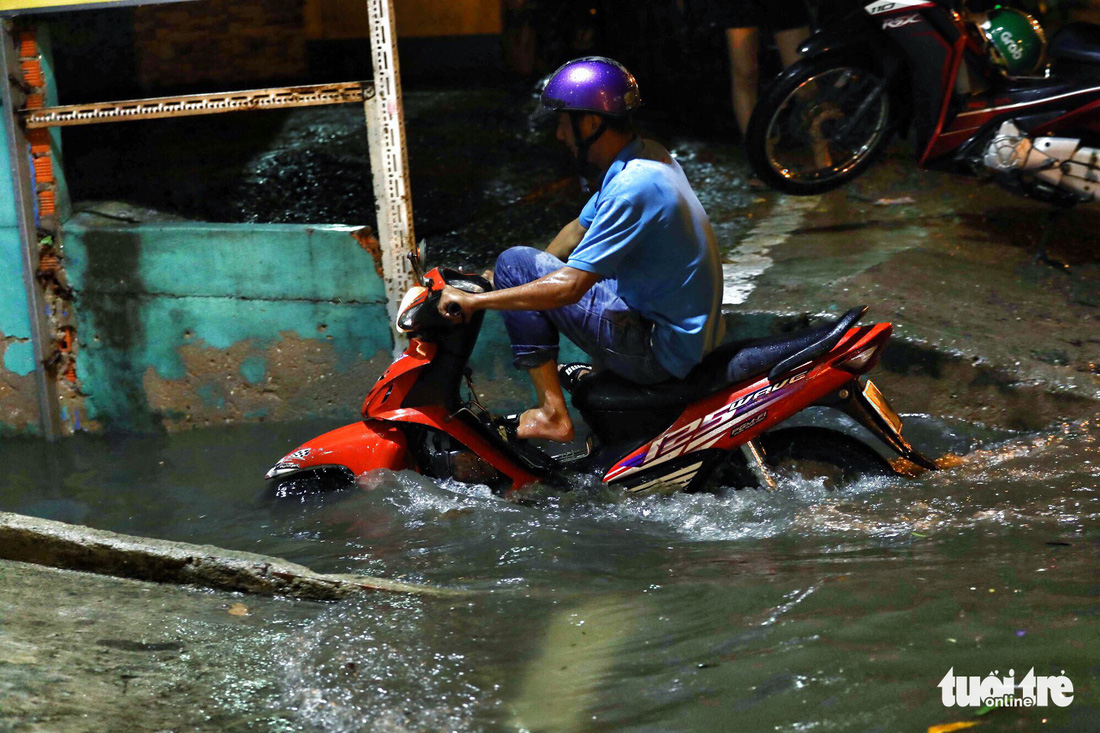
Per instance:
(722,422)
(985,93)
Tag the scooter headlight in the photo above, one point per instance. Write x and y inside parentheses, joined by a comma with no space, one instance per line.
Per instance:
(414,297)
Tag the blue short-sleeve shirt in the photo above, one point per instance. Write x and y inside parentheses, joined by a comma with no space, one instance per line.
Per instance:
(648,231)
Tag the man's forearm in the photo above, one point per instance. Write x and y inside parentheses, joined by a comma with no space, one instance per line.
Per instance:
(551,291)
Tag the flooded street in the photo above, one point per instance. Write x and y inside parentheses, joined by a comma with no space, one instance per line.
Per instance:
(799,609)
(802,609)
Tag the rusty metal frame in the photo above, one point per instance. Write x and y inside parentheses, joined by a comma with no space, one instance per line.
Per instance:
(23,188)
(384,109)
(389,161)
(197,104)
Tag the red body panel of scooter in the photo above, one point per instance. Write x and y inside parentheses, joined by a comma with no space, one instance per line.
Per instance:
(359,447)
(394,385)
(730,418)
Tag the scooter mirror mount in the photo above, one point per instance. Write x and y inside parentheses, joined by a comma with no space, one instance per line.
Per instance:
(414,263)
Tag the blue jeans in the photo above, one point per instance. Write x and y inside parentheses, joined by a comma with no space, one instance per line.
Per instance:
(617,337)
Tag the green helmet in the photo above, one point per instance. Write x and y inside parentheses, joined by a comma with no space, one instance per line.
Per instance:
(1015,40)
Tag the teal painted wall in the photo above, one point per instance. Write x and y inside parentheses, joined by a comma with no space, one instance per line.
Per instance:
(189,324)
(14,321)
(18,393)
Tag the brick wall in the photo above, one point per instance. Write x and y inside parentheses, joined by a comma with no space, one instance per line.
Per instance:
(215,42)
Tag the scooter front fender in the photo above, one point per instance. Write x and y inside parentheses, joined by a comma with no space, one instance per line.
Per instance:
(358,447)
(863,42)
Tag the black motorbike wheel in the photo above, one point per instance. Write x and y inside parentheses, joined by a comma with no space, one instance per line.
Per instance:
(321,480)
(821,124)
(818,453)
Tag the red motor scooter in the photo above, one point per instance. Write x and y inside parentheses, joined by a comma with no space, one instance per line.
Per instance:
(718,423)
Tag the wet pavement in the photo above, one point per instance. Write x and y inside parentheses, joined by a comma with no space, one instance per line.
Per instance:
(954,269)
(798,609)
(795,610)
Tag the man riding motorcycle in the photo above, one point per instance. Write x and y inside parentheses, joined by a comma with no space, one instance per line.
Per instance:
(635,280)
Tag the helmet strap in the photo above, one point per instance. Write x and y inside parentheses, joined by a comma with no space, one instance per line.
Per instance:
(583,144)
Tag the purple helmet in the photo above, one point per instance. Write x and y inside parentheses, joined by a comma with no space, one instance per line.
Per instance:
(592,84)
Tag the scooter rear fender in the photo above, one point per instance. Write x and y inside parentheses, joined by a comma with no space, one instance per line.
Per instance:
(359,447)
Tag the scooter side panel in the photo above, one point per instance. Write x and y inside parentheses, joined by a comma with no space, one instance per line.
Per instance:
(361,447)
(740,413)
(438,418)
(395,382)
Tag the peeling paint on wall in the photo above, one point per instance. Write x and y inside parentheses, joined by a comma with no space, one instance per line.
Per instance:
(192,324)
(299,381)
(18,356)
(18,395)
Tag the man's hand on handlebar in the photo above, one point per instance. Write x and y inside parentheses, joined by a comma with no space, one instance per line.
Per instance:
(455,305)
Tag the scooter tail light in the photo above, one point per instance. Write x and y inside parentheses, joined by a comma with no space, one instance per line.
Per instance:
(861,361)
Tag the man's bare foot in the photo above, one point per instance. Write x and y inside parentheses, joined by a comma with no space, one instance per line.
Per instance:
(545,423)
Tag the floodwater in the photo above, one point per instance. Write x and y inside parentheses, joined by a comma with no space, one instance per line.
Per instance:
(795,610)
(800,609)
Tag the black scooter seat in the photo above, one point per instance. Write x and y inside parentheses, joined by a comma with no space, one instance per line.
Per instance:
(1078,42)
(724,367)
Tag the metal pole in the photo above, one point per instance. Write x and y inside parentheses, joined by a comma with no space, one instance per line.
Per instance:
(23,188)
(389,159)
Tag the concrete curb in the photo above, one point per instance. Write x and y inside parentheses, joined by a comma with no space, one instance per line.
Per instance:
(73,547)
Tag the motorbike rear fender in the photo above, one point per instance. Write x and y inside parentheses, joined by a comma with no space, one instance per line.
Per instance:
(858,402)
(359,447)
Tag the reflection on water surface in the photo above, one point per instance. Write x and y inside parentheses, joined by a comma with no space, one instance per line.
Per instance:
(799,609)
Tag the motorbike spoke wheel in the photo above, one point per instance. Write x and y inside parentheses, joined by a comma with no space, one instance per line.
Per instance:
(816,454)
(820,126)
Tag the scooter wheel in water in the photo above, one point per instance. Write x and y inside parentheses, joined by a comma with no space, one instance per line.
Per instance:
(821,454)
(313,481)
